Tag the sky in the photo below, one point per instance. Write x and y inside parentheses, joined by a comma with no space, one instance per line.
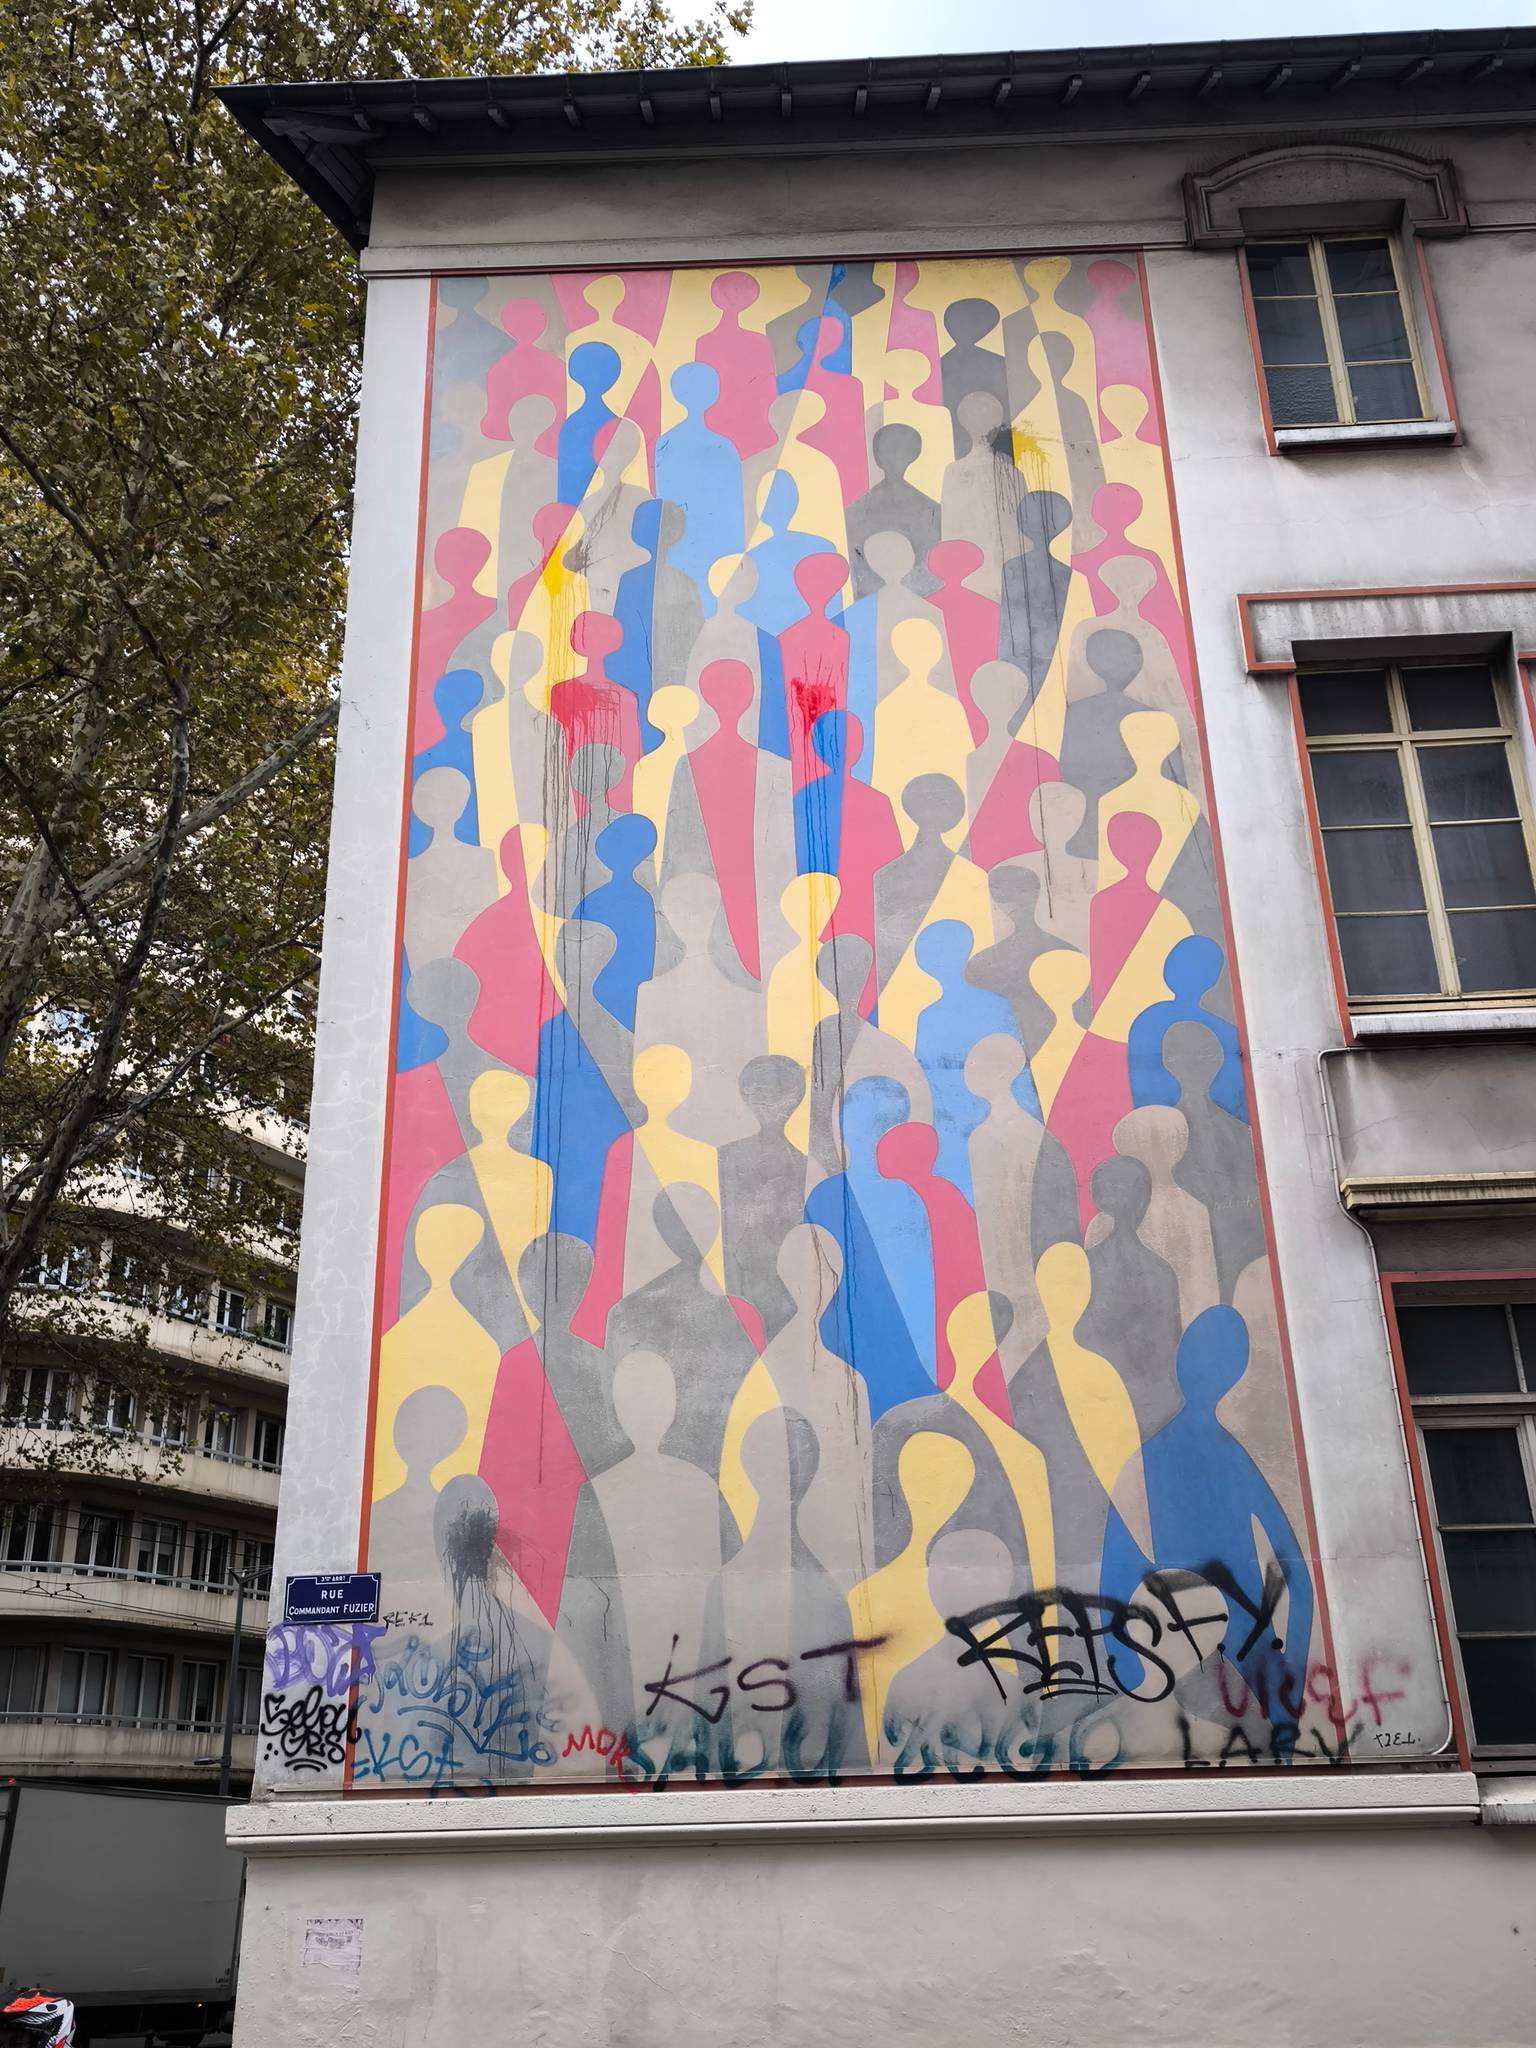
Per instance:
(890,28)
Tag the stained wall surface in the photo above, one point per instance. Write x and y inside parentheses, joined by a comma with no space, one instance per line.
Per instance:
(825,1321)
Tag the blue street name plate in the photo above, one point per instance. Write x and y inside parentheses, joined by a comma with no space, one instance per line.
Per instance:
(331,1596)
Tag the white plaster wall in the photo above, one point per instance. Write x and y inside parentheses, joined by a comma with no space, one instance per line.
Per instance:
(1400,1938)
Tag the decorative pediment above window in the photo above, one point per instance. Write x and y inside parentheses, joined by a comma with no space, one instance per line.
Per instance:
(1321,187)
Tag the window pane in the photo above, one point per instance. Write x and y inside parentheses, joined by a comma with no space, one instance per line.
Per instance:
(1446,698)
(1385,391)
(1493,1579)
(1482,864)
(1462,1348)
(1494,949)
(1301,398)
(1364,788)
(1477,1475)
(1376,870)
(1279,267)
(1468,782)
(1360,267)
(1371,328)
(1388,956)
(1352,701)
(1524,1313)
(1501,1689)
(1291,331)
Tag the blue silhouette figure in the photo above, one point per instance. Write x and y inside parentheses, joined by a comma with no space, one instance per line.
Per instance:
(625,906)
(630,664)
(1191,970)
(575,1123)
(819,802)
(776,603)
(700,471)
(839,356)
(1204,1493)
(595,367)
(417,1043)
(880,1317)
(456,695)
(947,1029)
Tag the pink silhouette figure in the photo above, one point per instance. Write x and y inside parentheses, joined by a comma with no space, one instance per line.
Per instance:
(459,556)
(912,327)
(605,1284)
(743,361)
(1119,340)
(590,708)
(426,1137)
(869,839)
(1001,827)
(1119,915)
(970,620)
(525,370)
(1094,1094)
(547,526)
(907,1153)
(530,1464)
(815,656)
(839,434)
(517,997)
(725,779)
(1114,507)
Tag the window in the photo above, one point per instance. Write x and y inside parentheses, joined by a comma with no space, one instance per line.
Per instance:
(38,1395)
(247,1699)
(187,1298)
(99,1542)
(21,1681)
(277,1324)
(1334,337)
(85,1680)
(31,1536)
(141,1689)
(256,1557)
(1424,830)
(57,1265)
(158,1555)
(167,1423)
(233,1309)
(1471,1370)
(199,1698)
(267,1443)
(131,1278)
(116,1411)
(221,1433)
(212,1553)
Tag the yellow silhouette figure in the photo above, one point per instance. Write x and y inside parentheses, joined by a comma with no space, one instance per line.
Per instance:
(815,474)
(1059,978)
(480,509)
(1140,981)
(551,608)
(516,1189)
(972,1341)
(1149,738)
(905,369)
(1128,460)
(673,708)
(1043,276)
(920,728)
(798,998)
(963,896)
(663,1075)
(1093,1391)
(438,1342)
(756,1396)
(605,295)
(893,1606)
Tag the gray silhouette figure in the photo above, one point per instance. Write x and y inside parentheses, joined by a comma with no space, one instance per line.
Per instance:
(1035,585)
(1093,755)
(846,1047)
(429,1426)
(444,992)
(966,368)
(1217,1167)
(762,1189)
(1079,429)
(554,1273)
(905,887)
(1133,1314)
(896,506)
(574,868)
(1003,967)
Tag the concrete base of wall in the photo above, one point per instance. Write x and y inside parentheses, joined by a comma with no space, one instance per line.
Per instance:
(1200,1912)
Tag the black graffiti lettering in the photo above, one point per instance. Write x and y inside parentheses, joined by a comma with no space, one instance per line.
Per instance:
(1055,1637)
(309,1733)
(1263,1615)
(787,1694)
(848,1652)
(662,1688)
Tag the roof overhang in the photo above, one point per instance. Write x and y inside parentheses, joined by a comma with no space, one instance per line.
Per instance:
(334,139)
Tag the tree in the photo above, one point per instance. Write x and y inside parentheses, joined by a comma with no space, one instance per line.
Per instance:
(179,338)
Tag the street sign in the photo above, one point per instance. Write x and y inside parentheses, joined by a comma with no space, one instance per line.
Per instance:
(331,1596)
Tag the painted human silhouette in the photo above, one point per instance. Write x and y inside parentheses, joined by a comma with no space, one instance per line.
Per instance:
(1191,971)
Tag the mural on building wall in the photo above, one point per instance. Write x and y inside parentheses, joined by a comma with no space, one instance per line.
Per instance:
(827,1325)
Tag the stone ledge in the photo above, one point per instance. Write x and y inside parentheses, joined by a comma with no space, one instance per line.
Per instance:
(617,1819)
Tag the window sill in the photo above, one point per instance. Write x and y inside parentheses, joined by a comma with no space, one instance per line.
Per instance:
(1369,434)
(1517,1020)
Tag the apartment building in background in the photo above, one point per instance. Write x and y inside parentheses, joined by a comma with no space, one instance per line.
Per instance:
(920,1277)
(117,1577)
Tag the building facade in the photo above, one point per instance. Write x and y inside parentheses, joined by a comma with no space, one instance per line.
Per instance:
(117,1571)
(919,1234)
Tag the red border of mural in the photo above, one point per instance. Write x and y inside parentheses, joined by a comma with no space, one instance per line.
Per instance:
(1282,1327)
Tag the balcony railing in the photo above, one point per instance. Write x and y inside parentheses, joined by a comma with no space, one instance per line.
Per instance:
(190,1582)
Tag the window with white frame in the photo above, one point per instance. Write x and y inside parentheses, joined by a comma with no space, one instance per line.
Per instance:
(141,1689)
(198,1697)
(211,1554)
(1335,333)
(256,1554)
(32,1533)
(1426,830)
(168,1422)
(234,1309)
(40,1396)
(277,1324)
(21,1680)
(157,1554)
(115,1410)
(85,1684)
(222,1430)
(99,1541)
(1471,1372)
(267,1442)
